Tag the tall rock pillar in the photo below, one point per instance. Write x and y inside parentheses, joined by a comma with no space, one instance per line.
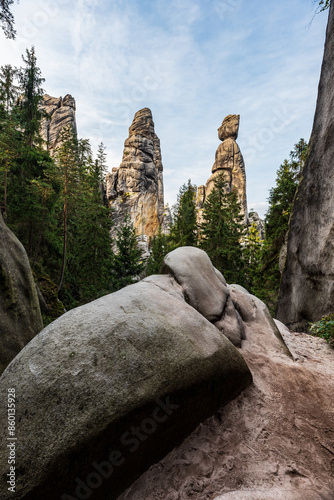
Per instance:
(136,186)
(230,163)
(307,285)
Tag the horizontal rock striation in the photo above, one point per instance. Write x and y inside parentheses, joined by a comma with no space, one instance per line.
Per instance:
(136,186)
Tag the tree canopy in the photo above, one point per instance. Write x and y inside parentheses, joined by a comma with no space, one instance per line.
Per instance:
(7,18)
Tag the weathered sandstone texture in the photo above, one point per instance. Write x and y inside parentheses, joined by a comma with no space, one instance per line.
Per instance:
(111,387)
(20,315)
(60,113)
(307,285)
(136,186)
(167,220)
(229,162)
(274,441)
(259,224)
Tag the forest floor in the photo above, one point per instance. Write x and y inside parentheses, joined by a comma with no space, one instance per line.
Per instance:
(275,441)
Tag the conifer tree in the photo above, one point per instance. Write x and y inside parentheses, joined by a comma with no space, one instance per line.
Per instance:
(281,198)
(159,247)
(128,262)
(8,90)
(67,175)
(252,248)
(7,18)
(221,231)
(91,257)
(184,229)
(30,82)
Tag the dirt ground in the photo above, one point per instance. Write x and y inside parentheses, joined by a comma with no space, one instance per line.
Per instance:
(274,442)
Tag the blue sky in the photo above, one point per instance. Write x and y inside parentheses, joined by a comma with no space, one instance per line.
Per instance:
(192,62)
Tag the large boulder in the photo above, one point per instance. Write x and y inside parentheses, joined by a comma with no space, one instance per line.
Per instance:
(20,315)
(111,387)
(307,285)
(275,440)
(205,289)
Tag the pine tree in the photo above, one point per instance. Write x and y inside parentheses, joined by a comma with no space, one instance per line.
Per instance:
(30,81)
(128,262)
(252,248)
(277,218)
(100,163)
(184,229)
(7,19)
(8,90)
(9,134)
(67,175)
(159,247)
(90,253)
(222,230)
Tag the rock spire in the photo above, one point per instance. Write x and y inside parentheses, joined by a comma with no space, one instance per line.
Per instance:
(229,162)
(136,186)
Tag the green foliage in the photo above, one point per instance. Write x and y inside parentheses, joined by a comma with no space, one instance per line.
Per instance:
(49,291)
(277,218)
(30,83)
(184,229)
(127,262)
(324,328)
(7,19)
(324,5)
(252,249)
(222,230)
(8,89)
(159,247)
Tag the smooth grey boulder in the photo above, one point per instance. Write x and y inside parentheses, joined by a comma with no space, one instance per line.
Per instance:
(205,289)
(20,315)
(262,334)
(307,284)
(111,387)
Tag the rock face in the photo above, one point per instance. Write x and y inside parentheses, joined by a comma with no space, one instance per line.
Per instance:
(229,162)
(254,217)
(307,285)
(61,113)
(111,387)
(136,186)
(273,442)
(167,220)
(20,315)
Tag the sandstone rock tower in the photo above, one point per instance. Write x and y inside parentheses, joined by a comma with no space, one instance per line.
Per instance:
(60,113)
(136,186)
(229,162)
(307,286)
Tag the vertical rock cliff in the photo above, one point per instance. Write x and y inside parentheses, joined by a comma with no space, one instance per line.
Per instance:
(60,112)
(307,286)
(136,186)
(230,163)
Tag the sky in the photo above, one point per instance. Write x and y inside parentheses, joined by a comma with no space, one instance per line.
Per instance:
(192,62)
